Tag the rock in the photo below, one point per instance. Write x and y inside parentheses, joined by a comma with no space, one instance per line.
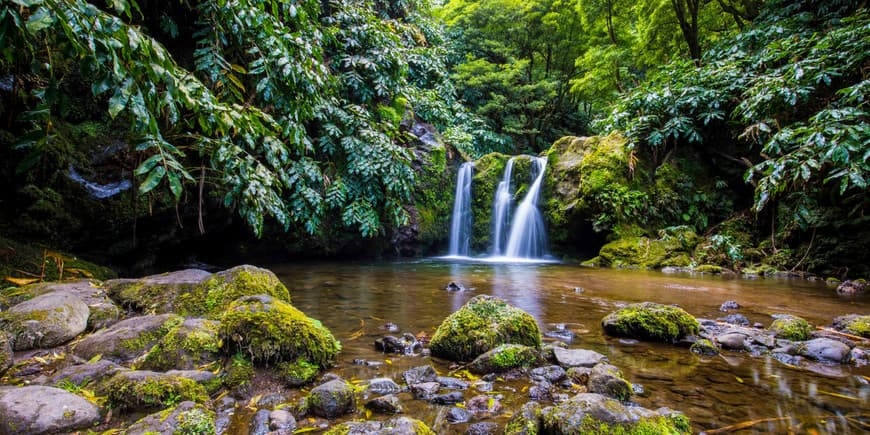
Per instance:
(729,305)
(128,339)
(825,349)
(155,293)
(483,428)
(704,347)
(226,407)
(480,325)
(447,399)
(595,413)
(395,426)
(454,287)
(608,380)
(650,321)
(282,421)
(186,418)
(82,374)
(541,392)
(790,327)
(525,422)
(425,390)
(420,374)
(384,386)
(270,330)
(407,345)
(859,356)
(735,319)
(388,404)
(270,401)
(44,410)
(330,400)
(458,415)
(452,383)
(559,332)
(504,358)
(260,423)
(568,358)
(483,405)
(854,324)
(144,389)
(579,375)
(6,355)
(103,311)
(850,287)
(551,374)
(732,340)
(191,344)
(45,321)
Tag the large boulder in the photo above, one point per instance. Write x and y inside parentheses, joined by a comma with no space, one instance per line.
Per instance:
(186,418)
(825,349)
(103,311)
(588,413)
(44,410)
(790,327)
(128,339)
(644,252)
(395,426)
(189,345)
(155,293)
(504,358)
(330,400)
(650,321)
(482,324)
(144,389)
(271,330)
(45,321)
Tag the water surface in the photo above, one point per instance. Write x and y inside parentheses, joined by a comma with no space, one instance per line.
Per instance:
(356,300)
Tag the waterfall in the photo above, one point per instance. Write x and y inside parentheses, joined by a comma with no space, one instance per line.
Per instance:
(460,223)
(528,237)
(501,207)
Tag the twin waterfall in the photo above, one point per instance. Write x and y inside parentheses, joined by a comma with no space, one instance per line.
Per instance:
(521,238)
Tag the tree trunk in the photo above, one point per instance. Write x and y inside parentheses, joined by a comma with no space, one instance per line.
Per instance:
(687,15)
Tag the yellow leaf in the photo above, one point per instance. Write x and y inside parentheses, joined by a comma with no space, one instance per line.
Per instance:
(40,359)
(21,281)
(76,271)
(460,405)
(96,358)
(305,429)
(368,414)
(388,361)
(738,379)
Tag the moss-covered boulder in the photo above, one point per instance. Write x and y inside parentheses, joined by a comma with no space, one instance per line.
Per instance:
(704,347)
(270,330)
(643,252)
(790,328)
(504,358)
(45,321)
(854,324)
(186,418)
(590,413)
(127,340)
(330,400)
(155,294)
(6,356)
(103,311)
(395,426)
(186,346)
(608,380)
(525,422)
(44,410)
(137,390)
(650,321)
(482,324)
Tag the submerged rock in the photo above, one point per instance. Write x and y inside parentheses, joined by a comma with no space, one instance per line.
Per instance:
(853,287)
(729,305)
(735,319)
(186,418)
(383,386)
(504,358)
(44,410)
(650,321)
(45,321)
(396,426)
(790,327)
(388,404)
(420,374)
(482,324)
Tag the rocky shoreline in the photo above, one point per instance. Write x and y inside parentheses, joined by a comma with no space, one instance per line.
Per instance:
(196,352)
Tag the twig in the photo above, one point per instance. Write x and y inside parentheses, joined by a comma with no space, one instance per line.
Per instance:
(809,247)
(750,423)
(833,331)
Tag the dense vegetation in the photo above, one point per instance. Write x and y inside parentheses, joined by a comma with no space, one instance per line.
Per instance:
(297,115)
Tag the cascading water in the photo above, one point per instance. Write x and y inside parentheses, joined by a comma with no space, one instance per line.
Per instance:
(501,207)
(528,237)
(460,222)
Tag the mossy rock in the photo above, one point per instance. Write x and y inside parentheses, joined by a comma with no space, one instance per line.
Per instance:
(395,426)
(650,321)
(103,311)
(187,418)
(189,345)
(590,413)
(271,330)
(488,172)
(144,389)
(127,340)
(854,324)
(480,325)
(330,400)
(608,380)
(239,372)
(297,373)
(791,328)
(644,252)
(45,321)
(6,356)
(708,268)
(155,294)
(216,293)
(704,347)
(504,358)
(525,422)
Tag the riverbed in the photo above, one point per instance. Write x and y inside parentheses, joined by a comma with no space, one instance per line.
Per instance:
(356,300)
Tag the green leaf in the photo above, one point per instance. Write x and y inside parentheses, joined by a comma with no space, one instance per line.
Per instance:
(174,184)
(147,165)
(152,180)
(41,19)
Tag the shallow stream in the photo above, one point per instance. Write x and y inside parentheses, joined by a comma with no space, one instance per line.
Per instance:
(356,300)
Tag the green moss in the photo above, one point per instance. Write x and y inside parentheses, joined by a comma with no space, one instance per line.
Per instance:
(240,372)
(650,321)
(708,268)
(432,201)
(488,171)
(676,424)
(214,295)
(197,421)
(608,380)
(791,328)
(147,340)
(704,347)
(271,330)
(185,346)
(482,324)
(158,391)
(505,357)
(859,325)
(297,373)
